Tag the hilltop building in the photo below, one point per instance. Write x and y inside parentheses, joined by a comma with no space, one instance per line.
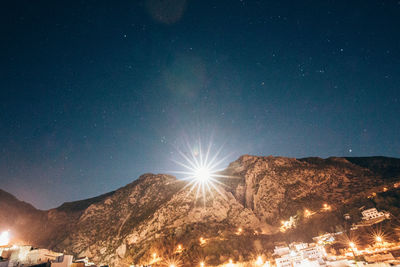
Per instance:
(373,213)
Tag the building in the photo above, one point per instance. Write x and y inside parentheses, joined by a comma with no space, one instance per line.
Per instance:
(38,256)
(63,261)
(298,246)
(84,260)
(29,256)
(371,214)
(314,252)
(289,260)
(300,254)
(281,250)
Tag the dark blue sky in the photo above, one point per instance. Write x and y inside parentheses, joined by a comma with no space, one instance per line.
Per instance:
(95,93)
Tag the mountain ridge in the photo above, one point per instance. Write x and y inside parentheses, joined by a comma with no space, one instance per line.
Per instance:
(155,211)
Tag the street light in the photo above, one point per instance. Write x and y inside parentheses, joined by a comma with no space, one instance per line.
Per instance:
(4,238)
(353,248)
(259,261)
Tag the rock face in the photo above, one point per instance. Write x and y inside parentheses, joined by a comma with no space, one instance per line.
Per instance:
(273,187)
(156,212)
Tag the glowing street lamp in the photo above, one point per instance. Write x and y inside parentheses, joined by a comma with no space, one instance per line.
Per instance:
(307,213)
(154,258)
(378,239)
(259,261)
(239,231)
(327,207)
(4,238)
(202,241)
(179,249)
(353,248)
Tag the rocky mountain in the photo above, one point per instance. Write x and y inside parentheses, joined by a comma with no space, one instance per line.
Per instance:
(156,213)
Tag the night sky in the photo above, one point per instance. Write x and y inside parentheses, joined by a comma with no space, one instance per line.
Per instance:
(95,93)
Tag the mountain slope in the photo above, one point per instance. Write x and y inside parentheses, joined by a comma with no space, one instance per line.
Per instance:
(157,212)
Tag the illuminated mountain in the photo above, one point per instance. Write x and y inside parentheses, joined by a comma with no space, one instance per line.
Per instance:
(156,213)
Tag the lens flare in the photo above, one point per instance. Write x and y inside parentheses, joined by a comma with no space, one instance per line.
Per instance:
(202,170)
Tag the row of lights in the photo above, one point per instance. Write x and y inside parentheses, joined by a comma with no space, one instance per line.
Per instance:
(353,246)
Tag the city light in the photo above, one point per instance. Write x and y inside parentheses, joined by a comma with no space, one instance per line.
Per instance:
(230,264)
(155,258)
(287,224)
(326,207)
(378,239)
(4,238)
(202,241)
(308,213)
(352,245)
(239,231)
(179,249)
(171,261)
(202,264)
(259,261)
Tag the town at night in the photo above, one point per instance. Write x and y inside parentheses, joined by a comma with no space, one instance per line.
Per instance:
(186,133)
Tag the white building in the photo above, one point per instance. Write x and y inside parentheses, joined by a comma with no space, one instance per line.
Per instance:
(289,260)
(300,255)
(371,214)
(298,246)
(63,261)
(281,250)
(315,252)
(38,256)
(26,256)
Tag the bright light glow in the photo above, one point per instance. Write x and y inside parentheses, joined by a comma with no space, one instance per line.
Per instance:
(155,258)
(352,245)
(4,238)
(379,236)
(239,231)
(202,174)
(287,224)
(326,207)
(308,213)
(202,170)
(202,264)
(259,261)
(230,264)
(172,261)
(202,241)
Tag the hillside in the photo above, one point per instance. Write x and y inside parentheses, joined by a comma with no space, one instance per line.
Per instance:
(156,212)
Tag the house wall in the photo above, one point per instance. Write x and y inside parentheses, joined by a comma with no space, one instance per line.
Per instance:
(67,261)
